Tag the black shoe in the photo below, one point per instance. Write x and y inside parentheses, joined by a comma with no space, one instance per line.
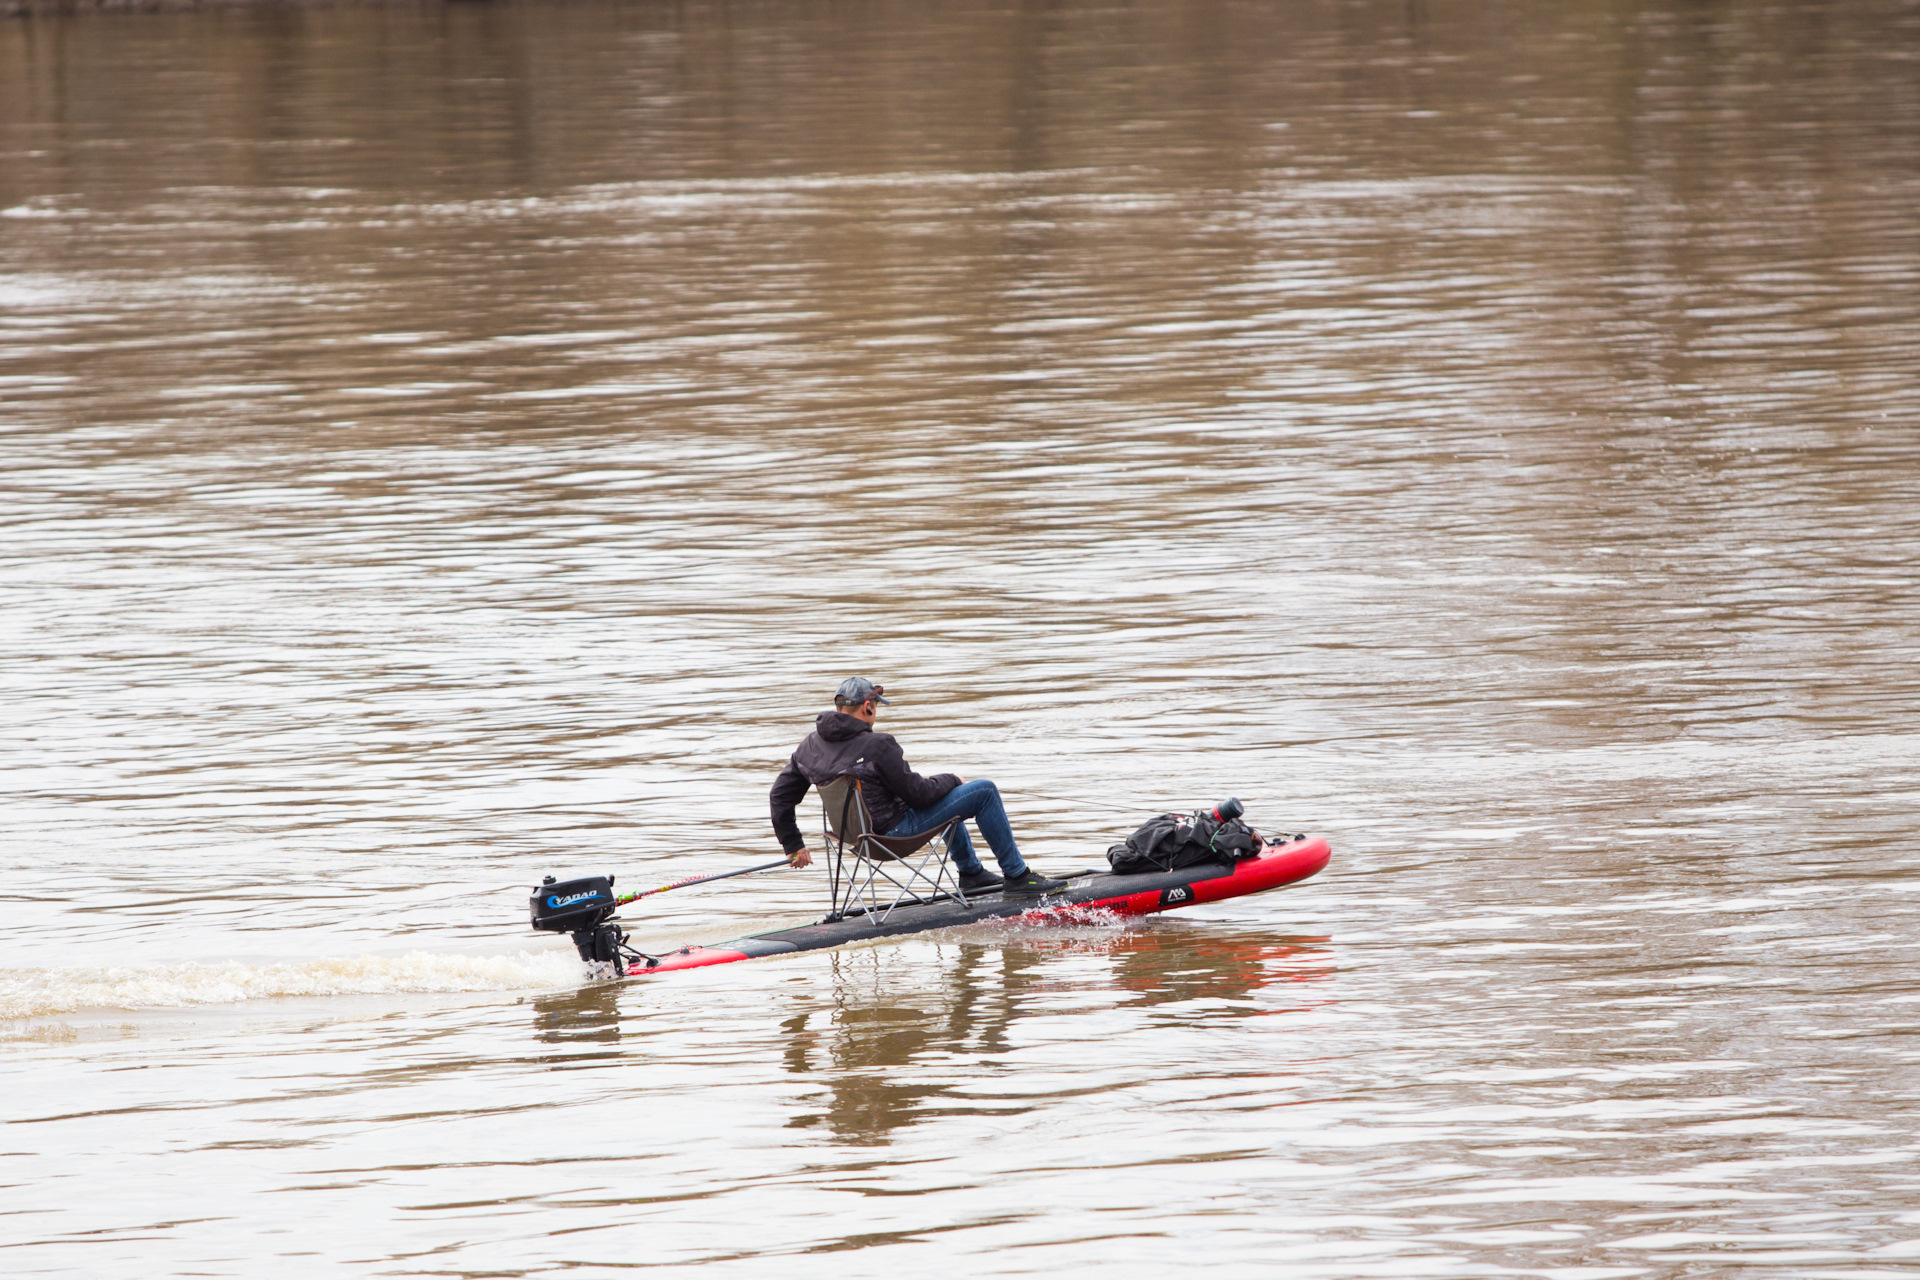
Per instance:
(1031,884)
(979,881)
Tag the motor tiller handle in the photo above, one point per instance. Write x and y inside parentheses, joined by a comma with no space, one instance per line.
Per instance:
(624,899)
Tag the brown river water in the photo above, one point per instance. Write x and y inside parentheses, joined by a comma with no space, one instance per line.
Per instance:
(445,445)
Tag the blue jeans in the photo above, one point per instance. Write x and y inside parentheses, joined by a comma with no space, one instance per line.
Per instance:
(979,800)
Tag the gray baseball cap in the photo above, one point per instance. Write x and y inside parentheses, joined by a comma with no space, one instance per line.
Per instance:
(855,690)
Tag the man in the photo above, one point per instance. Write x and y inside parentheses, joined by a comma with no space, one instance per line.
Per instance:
(900,801)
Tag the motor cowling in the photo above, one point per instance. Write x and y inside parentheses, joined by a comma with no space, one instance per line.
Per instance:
(568,906)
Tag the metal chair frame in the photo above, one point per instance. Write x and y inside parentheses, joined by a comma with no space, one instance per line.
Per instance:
(864,867)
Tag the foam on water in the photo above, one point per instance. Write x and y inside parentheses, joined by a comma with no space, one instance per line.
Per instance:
(30,993)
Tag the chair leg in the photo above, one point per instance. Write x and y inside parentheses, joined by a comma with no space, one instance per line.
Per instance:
(832,848)
(956,875)
(855,878)
(931,872)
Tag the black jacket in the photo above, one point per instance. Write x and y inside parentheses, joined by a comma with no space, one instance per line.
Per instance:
(839,744)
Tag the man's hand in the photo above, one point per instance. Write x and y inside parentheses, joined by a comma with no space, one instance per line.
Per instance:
(800,858)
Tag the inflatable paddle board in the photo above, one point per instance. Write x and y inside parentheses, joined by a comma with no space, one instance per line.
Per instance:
(1087,893)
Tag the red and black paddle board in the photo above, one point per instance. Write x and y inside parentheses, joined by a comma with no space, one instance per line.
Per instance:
(1087,893)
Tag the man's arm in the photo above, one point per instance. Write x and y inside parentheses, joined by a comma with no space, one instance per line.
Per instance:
(788,790)
(914,791)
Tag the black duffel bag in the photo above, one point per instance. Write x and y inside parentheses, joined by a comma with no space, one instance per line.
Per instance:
(1172,841)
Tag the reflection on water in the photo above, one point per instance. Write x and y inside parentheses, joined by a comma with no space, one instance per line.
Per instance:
(1227,965)
(870,1031)
(876,1028)
(579,1019)
(442,446)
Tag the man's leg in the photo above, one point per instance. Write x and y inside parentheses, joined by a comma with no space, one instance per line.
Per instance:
(979,800)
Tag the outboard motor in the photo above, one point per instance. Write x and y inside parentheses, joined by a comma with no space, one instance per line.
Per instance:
(583,908)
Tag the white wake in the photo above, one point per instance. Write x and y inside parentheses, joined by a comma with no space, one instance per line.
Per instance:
(29,993)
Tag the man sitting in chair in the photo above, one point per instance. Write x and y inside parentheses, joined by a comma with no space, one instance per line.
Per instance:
(899,801)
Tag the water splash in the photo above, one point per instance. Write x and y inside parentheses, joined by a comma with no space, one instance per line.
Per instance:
(30,993)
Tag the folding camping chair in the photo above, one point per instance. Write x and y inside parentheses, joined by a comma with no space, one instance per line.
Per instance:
(876,873)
